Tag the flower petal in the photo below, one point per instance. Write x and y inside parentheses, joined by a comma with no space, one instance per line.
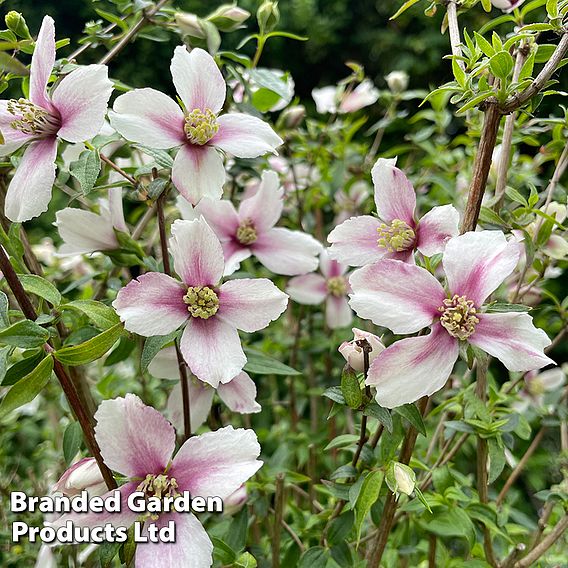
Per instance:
(192,547)
(264,208)
(329,267)
(325,99)
(354,242)
(115,209)
(245,136)
(149,117)
(43,61)
(135,439)
(200,401)
(197,252)
(250,304)
(152,304)
(198,81)
(309,289)
(513,339)
(29,192)
(84,232)
(363,95)
(198,171)
(234,253)
(13,138)
(217,463)
(239,394)
(81,99)
(338,314)
(436,228)
(413,367)
(394,195)
(391,293)
(212,349)
(287,252)
(220,215)
(476,263)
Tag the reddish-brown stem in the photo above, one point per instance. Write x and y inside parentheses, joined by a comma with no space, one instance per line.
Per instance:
(278,518)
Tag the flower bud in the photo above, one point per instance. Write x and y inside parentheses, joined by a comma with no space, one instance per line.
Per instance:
(353,352)
(293,116)
(17,24)
(83,475)
(235,501)
(397,81)
(268,16)
(190,24)
(228,17)
(400,478)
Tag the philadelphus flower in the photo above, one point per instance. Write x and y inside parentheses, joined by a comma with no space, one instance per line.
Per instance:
(239,394)
(507,5)
(396,233)
(537,385)
(157,304)
(83,475)
(353,353)
(149,117)
(406,298)
(331,286)
(336,100)
(397,81)
(139,443)
(74,112)
(251,231)
(85,232)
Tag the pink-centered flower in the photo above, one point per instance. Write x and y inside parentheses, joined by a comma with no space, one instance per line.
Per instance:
(251,231)
(537,386)
(239,394)
(149,117)
(407,298)
(396,233)
(210,311)
(138,442)
(74,111)
(337,100)
(85,232)
(331,287)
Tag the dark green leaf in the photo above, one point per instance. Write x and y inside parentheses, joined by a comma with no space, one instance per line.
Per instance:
(262,364)
(90,350)
(72,439)
(381,414)
(412,414)
(25,334)
(152,346)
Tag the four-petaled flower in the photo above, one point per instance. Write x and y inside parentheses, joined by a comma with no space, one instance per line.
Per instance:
(396,233)
(74,111)
(331,286)
(407,298)
(138,442)
(157,304)
(251,230)
(149,117)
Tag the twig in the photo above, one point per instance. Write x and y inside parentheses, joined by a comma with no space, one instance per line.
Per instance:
(278,518)
(530,559)
(453,27)
(432,541)
(514,556)
(290,531)
(118,169)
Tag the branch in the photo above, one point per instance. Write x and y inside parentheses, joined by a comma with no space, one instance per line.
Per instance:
(455,39)
(530,559)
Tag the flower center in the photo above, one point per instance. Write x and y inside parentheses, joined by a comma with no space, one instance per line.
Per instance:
(246,233)
(536,387)
(159,486)
(458,317)
(202,301)
(337,286)
(200,126)
(32,119)
(396,236)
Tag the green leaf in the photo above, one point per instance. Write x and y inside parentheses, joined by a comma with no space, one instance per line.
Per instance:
(100,314)
(40,287)
(246,560)
(474,102)
(516,196)
(340,527)
(162,158)
(12,65)
(22,368)
(262,364)
(381,414)
(350,387)
(223,551)
(453,522)
(496,307)
(496,459)
(86,169)
(28,388)
(368,495)
(335,394)
(25,334)
(4,307)
(315,557)
(152,347)
(487,215)
(484,45)
(502,64)
(90,350)
(107,552)
(236,536)
(403,8)
(271,81)
(412,414)
(342,441)
(72,440)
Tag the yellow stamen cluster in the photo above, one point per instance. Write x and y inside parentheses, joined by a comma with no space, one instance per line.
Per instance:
(159,486)
(337,286)
(458,317)
(396,236)
(536,387)
(202,302)
(200,126)
(33,120)
(246,233)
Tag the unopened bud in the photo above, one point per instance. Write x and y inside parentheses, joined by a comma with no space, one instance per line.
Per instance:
(83,475)
(16,23)
(400,478)
(190,25)
(397,81)
(353,352)
(293,116)
(228,17)
(268,16)
(235,501)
